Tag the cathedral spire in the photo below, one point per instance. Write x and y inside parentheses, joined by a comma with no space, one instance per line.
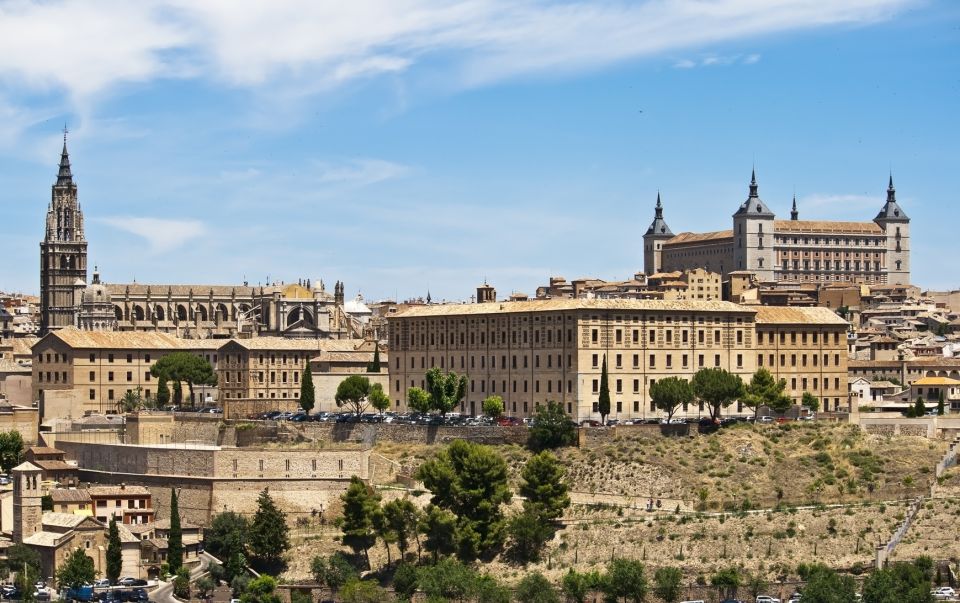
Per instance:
(65,176)
(753,184)
(891,191)
(891,211)
(794,214)
(659,226)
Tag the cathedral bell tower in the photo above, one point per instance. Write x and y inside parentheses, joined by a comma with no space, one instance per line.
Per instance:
(63,252)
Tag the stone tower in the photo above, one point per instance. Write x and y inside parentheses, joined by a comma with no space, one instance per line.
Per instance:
(27,495)
(753,235)
(896,225)
(63,252)
(653,240)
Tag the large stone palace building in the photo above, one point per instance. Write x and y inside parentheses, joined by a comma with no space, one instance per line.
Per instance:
(794,250)
(302,310)
(552,350)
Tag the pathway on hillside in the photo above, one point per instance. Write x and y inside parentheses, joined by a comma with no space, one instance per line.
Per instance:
(164,592)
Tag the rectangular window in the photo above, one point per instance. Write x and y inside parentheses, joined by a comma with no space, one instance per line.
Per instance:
(93,376)
(619,386)
(653,361)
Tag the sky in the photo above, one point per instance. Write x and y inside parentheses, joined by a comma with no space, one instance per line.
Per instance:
(407,146)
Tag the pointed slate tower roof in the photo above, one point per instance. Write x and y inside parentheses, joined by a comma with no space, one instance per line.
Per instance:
(794,214)
(659,227)
(891,211)
(754,206)
(64,176)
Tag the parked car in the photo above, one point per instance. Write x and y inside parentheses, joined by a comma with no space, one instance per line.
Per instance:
(794,598)
(84,593)
(128,581)
(943,592)
(767,599)
(765,419)
(102,583)
(589,423)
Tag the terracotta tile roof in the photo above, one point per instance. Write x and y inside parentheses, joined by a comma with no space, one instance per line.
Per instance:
(46,539)
(44,450)
(936,381)
(282,343)
(118,491)
(547,305)
(69,495)
(361,356)
(826,227)
(701,237)
(795,315)
(164,524)
(132,340)
(125,534)
(62,520)
(10,367)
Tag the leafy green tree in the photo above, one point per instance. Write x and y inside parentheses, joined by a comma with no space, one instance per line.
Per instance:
(625,579)
(493,406)
(177,394)
(824,585)
(46,503)
(163,393)
(11,450)
(727,581)
(576,586)
(261,590)
(810,402)
(114,552)
(445,391)
(439,528)
(919,408)
(717,388)
(486,589)
(405,581)
(402,517)
(448,579)
(374,367)
(551,428)
(668,584)
(224,532)
(418,399)
(527,534)
(603,401)
(378,398)
(764,390)
(77,570)
(544,486)
(268,538)
(470,480)
(181,583)
(332,571)
(184,367)
(308,393)
(898,583)
(756,583)
(940,404)
(362,591)
(535,588)
(175,540)
(205,586)
(361,508)
(352,393)
(670,394)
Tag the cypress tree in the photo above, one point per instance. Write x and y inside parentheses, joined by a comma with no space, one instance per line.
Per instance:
(940,405)
(920,408)
(175,538)
(307,391)
(268,533)
(114,553)
(374,366)
(603,403)
(163,393)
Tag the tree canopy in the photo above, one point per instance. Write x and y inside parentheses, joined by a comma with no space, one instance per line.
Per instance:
(898,583)
(810,402)
(668,584)
(361,506)
(77,570)
(535,588)
(308,393)
(114,552)
(268,536)
(493,406)
(175,546)
(332,571)
(471,481)
(625,579)
(551,428)
(764,390)
(544,486)
(603,401)
(717,388)
(671,393)
(353,392)
(418,399)
(11,450)
(824,585)
(378,398)
(446,390)
(184,367)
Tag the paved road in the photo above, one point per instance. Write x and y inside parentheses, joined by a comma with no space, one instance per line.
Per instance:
(164,592)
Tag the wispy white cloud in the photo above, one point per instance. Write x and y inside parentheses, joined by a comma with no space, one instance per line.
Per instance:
(713,60)
(86,50)
(358,172)
(161,234)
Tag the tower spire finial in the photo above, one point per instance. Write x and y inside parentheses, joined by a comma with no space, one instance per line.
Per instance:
(753,183)
(64,175)
(794,214)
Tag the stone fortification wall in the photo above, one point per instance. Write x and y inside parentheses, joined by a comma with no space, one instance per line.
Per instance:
(371,433)
(601,436)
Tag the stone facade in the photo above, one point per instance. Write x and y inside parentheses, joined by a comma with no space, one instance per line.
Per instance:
(791,251)
(532,352)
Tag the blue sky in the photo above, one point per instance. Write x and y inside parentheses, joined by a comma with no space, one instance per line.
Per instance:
(423,144)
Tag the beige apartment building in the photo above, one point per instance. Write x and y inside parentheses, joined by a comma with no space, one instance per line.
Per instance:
(76,371)
(535,351)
